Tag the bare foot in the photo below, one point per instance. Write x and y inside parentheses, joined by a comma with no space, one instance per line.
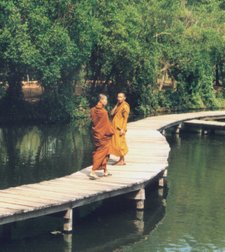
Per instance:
(107,174)
(120,162)
(93,176)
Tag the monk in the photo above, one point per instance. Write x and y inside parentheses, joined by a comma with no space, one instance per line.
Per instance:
(102,133)
(120,114)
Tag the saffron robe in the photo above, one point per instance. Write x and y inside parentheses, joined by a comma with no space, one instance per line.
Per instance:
(102,133)
(119,121)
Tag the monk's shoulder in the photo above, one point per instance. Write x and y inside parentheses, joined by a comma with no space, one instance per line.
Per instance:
(126,107)
(103,112)
(92,110)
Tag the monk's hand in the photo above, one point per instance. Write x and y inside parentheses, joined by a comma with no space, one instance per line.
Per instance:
(113,110)
(122,132)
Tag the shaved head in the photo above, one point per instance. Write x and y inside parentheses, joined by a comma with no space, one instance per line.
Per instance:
(103,99)
(121,97)
(121,93)
(102,96)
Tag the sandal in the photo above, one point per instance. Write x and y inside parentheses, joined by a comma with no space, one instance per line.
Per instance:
(121,164)
(93,176)
(107,174)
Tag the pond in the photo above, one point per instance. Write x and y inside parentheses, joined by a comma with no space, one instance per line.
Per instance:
(188,216)
(35,153)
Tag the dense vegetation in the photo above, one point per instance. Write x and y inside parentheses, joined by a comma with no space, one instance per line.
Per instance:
(108,46)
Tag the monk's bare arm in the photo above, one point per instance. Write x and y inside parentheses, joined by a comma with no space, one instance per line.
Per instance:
(114,110)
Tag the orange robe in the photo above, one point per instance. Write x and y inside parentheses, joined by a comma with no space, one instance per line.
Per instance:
(119,121)
(102,134)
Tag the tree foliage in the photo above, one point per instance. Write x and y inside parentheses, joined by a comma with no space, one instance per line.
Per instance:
(115,45)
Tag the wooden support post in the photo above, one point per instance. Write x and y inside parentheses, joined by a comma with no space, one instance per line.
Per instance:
(204,132)
(140,204)
(178,128)
(140,215)
(139,198)
(165,173)
(68,221)
(68,239)
(161,191)
(162,180)
(139,222)
(161,195)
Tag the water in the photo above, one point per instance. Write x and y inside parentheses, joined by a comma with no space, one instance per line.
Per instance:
(192,218)
(195,216)
(35,153)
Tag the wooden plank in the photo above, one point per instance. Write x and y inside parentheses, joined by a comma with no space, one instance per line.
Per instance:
(100,181)
(205,124)
(66,191)
(77,187)
(20,202)
(16,195)
(6,211)
(133,166)
(147,157)
(79,191)
(33,192)
(12,206)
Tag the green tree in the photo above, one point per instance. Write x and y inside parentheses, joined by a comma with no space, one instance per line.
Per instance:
(117,45)
(17,53)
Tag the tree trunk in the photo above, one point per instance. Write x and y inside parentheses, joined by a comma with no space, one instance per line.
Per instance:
(14,91)
(217,75)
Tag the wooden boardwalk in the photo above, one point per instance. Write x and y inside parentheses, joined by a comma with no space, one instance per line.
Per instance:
(146,160)
(206,125)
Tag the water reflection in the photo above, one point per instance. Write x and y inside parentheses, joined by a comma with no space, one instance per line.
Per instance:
(194,219)
(112,225)
(35,153)
(195,204)
(117,224)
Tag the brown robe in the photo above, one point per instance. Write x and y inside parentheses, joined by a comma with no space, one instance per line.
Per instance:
(102,133)
(119,121)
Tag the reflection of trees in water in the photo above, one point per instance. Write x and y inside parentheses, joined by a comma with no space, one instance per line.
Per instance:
(196,199)
(117,224)
(114,225)
(35,153)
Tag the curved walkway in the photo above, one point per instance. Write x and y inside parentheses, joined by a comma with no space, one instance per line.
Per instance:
(146,160)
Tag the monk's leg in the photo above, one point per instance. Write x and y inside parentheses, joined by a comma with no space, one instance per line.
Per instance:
(108,146)
(96,162)
(104,166)
(99,159)
(121,150)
